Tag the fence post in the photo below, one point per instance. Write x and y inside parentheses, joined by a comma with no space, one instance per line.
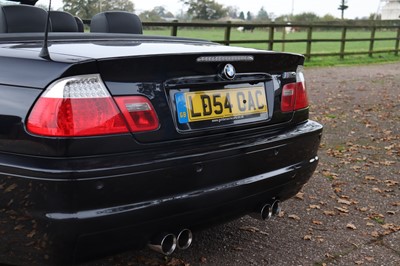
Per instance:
(309,42)
(174,30)
(371,43)
(271,37)
(397,42)
(228,32)
(283,38)
(343,43)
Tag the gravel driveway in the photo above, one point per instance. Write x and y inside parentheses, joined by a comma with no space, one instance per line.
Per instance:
(349,212)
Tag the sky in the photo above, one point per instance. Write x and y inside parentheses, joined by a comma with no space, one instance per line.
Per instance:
(357,8)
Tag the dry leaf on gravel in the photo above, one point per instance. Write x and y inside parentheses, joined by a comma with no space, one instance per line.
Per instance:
(249,229)
(375,234)
(343,201)
(10,188)
(294,217)
(329,213)
(316,222)
(300,196)
(203,260)
(370,178)
(351,226)
(177,262)
(307,237)
(364,209)
(343,210)
(375,189)
(369,259)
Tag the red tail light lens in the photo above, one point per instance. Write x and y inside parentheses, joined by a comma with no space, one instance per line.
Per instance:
(138,112)
(82,106)
(294,95)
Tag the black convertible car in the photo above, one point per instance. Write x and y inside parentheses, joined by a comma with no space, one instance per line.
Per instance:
(112,139)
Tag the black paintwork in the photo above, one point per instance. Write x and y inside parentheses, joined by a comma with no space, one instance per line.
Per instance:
(69,199)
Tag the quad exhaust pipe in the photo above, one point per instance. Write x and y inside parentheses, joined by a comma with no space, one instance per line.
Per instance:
(166,243)
(163,243)
(267,211)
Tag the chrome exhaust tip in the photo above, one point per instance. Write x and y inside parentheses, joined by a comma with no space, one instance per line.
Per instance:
(184,239)
(264,213)
(163,243)
(276,207)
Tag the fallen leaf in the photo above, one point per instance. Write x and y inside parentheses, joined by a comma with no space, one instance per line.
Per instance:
(351,226)
(391,212)
(175,262)
(315,207)
(11,188)
(329,213)
(370,178)
(364,209)
(375,189)
(31,234)
(203,260)
(294,217)
(391,183)
(307,237)
(300,196)
(343,210)
(369,259)
(343,201)
(359,262)
(316,222)
(375,234)
(18,227)
(249,229)
(370,224)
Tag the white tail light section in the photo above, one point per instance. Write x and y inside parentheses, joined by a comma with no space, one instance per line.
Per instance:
(294,95)
(74,107)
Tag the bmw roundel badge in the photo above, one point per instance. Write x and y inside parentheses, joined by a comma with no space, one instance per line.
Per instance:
(229,71)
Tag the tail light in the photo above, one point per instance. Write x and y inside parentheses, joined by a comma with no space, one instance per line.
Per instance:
(294,95)
(82,106)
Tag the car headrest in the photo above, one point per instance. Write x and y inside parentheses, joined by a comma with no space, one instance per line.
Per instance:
(79,22)
(63,22)
(22,18)
(116,22)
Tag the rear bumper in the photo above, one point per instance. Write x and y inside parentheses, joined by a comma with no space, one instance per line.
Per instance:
(82,207)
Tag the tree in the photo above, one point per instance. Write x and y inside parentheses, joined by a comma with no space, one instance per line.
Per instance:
(124,5)
(249,16)
(150,15)
(262,15)
(328,17)
(306,17)
(241,15)
(343,7)
(205,9)
(157,14)
(86,9)
(232,11)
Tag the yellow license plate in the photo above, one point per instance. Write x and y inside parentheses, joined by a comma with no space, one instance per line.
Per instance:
(217,104)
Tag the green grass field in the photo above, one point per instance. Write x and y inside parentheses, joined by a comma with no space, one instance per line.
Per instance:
(217,34)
